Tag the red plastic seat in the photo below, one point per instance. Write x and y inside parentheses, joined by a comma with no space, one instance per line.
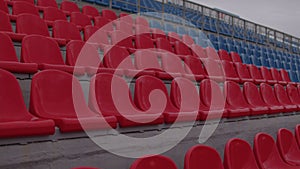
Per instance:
(238,154)
(194,66)
(256,74)
(285,77)
(46,3)
(230,71)
(269,98)
(46,53)
(214,70)
(173,37)
(146,86)
(34,25)
(139,20)
(277,76)
(182,49)
(254,98)
(211,53)
(3,6)
(22,8)
(52,14)
(127,18)
(154,162)
(293,94)
(141,30)
(201,156)
(109,14)
(12,2)
(124,27)
(164,45)
(9,60)
(68,7)
(123,39)
(109,94)
(144,42)
(284,99)
(235,57)
(288,147)
(267,154)
(185,97)
(58,95)
(266,74)
(80,20)
(15,120)
(172,65)
(212,101)
(223,54)
(237,105)
(198,51)
(243,72)
(103,23)
(90,11)
(118,58)
(65,30)
(158,33)
(187,40)
(6,27)
(297,134)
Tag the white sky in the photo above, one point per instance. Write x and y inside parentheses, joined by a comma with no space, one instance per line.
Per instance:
(282,15)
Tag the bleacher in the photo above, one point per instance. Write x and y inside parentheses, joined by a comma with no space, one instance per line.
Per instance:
(74,70)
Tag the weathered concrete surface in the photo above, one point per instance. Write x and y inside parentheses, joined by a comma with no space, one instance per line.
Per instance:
(65,154)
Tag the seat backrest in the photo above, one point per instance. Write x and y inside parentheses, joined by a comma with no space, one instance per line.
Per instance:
(276,74)
(213,68)
(198,51)
(148,60)
(287,145)
(124,17)
(153,162)
(57,94)
(182,48)
(53,14)
(212,53)
(229,69)
(103,23)
(109,14)
(109,94)
(242,70)
(297,134)
(234,95)
(254,72)
(281,94)
(235,57)
(284,75)
(266,152)
(143,30)
(90,11)
(188,40)
(123,26)
(253,95)
(268,95)
(3,6)
(139,20)
(223,54)
(118,58)
(201,156)
(194,66)
(65,30)
(238,154)
(164,45)
(31,24)
(5,22)
(11,101)
(7,49)
(80,53)
(47,3)
(143,42)
(173,37)
(69,6)
(172,63)
(39,49)
(293,93)
(158,33)
(184,95)
(145,86)
(120,38)
(24,7)
(211,94)
(266,73)
(80,19)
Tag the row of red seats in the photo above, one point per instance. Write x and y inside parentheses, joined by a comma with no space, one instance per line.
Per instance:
(266,154)
(57,88)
